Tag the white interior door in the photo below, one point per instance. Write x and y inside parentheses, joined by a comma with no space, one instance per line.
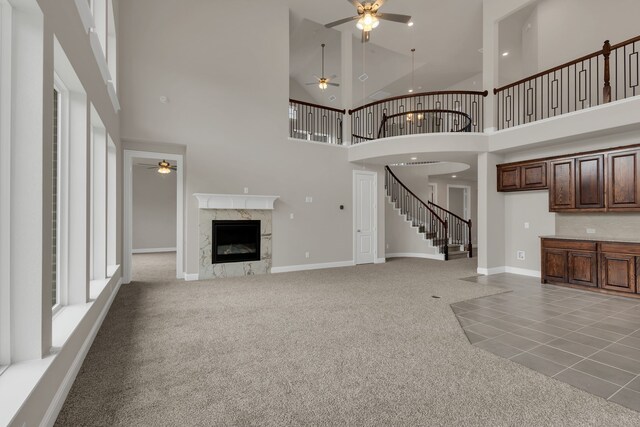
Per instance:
(365,217)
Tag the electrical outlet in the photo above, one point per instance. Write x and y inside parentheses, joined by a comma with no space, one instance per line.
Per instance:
(591,231)
(246,190)
(291,216)
(526,225)
(520,255)
(308,199)
(306,254)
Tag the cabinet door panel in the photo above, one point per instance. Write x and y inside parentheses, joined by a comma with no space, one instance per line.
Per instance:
(583,268)
(590,182)
(508,178)
(555,265)
(562,188)
(534,176)
(623,187)
(618,272)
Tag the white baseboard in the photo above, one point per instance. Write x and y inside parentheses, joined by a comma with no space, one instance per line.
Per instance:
(152,250)
(191,277)
(507,269)
(61,395)
(523,272)
(379,260)
(491,271)
(303,267)
(439,257)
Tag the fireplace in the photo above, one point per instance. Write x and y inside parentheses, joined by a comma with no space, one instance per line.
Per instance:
(235,241)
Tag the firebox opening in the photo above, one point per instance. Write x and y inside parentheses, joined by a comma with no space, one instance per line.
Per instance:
(235,241)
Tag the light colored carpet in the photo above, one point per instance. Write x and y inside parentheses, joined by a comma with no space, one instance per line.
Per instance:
(364,345)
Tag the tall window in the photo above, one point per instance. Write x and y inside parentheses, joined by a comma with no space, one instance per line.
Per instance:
(55,194)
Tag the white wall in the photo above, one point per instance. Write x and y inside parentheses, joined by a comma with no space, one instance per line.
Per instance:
(228,105)
(154,209)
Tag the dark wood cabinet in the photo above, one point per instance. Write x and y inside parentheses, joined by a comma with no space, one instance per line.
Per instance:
(623,186)
(596,181)
(618,272)
(610,267)
(589,182)
(555,264)
(562,192)
(533,176)
(509,178)
(583,268)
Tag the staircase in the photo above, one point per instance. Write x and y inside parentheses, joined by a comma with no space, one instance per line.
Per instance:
(445,231)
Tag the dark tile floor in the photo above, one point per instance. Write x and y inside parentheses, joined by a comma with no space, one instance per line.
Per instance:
(588,340)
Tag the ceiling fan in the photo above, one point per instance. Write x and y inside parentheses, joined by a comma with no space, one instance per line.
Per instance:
(163,167)
(369,17)
(323,82)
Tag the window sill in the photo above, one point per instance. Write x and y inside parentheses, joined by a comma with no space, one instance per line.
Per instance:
(19,380)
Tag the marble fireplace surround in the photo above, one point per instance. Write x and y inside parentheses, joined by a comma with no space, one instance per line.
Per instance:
(234,207)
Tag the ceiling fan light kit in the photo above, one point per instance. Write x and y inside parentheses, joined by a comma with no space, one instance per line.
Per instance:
(323,82)
(368,17)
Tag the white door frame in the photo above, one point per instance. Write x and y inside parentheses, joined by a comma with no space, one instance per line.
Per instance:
(129,155)
(375,214)
(467,197)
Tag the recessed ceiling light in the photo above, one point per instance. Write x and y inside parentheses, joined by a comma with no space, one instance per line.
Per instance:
(505,53)
(414,158)
(454,176)
(410,23)
(410,90)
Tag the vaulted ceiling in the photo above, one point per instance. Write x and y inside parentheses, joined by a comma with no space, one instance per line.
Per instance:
(446,36)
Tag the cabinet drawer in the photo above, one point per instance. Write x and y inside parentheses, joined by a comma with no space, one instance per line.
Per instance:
(578,245)
(621,248)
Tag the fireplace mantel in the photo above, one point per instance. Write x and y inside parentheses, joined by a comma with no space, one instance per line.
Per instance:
(234,201)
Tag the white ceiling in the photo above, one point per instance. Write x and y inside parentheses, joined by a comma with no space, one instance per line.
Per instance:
(446,36)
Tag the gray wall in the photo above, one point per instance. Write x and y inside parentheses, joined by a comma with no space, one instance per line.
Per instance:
(154,208)
(228,106)
(442,197)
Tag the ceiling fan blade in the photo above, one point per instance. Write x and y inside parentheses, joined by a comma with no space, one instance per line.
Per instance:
(378,4)
(333,76)
(316,77)
(334,84)
(309,84)
(341,21)
(404,19)
(356,3)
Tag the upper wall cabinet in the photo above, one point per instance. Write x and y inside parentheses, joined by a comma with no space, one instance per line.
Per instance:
(528,176)
(623,190)
(562,192)
(577,183)
(597,181)
(590,182)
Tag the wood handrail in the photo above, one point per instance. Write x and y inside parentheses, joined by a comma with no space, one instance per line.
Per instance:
(550,70)
(626,42)
(444,222)
(414,95)
(566,64)
(466,221)
(309,104)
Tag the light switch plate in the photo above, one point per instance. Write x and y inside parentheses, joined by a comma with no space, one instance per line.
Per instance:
(291,216)
(308,199)
(526,225)
(246,190)
(520,255)
(591,231)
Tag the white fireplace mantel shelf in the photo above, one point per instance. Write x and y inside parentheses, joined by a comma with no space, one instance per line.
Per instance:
(234,201)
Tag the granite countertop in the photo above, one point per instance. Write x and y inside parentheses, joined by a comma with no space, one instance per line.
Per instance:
(593,239)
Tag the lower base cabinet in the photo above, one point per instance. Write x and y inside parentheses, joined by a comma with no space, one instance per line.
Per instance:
(605,266)
(618,272)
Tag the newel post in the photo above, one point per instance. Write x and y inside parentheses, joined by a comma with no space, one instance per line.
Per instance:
(470,247)
(606,92)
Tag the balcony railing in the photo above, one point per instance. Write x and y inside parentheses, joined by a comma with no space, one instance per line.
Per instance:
(606,75)
(448,111)
(313,122)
